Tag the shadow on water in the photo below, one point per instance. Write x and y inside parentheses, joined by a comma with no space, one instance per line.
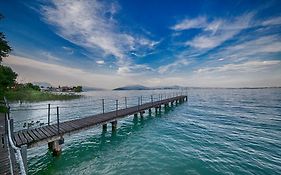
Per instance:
(93,147)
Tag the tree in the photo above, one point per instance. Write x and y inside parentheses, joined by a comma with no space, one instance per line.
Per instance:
(32,86)
(5,49)
(7,75)
(77,89)
(7,78)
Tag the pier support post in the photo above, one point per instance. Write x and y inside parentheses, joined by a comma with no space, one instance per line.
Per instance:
(149,111)
(159,108)
(55,146)
(114,125)
(104,127)
(135,117)
(141,113)
(166,106)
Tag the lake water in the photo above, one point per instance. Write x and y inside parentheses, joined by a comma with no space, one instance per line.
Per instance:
(218,131)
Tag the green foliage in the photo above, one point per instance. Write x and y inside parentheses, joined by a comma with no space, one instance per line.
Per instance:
(7,75)
(77,89)
(32,86)
(31,95)
(7,78)
(3,109)
(5,49)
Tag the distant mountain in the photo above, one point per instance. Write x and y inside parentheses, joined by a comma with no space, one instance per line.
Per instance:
(140,87)
(132,87)
(86,88)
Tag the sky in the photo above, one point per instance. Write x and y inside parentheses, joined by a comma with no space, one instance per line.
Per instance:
(107,44)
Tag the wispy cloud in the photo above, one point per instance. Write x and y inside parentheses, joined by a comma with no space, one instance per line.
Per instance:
(250,66)
(91,24)
(68,50)
(258,47)
(272,21)
(199,22)
(219,31)
(134,69)
(49,56)
(173,66)
(214,31)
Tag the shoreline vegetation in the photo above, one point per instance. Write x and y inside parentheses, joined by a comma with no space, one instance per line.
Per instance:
(33,93)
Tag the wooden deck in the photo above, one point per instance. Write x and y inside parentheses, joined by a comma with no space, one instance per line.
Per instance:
(45,134)
(7,155)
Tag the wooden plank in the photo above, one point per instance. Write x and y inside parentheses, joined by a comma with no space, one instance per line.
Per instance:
(23,139)
(66,128)
(72,125)
(40,134)
(17,139)
(52,133)
(44,132)
(54,128)
(62,130)
(32,135)
(80,123)
(28,138)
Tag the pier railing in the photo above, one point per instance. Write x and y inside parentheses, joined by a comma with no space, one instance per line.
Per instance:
(55,113)
(18,151)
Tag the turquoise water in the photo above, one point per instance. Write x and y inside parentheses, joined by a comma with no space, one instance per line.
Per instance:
(219,131)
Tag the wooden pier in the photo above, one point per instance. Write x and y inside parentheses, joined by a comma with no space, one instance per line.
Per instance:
(7,155)
(52,134)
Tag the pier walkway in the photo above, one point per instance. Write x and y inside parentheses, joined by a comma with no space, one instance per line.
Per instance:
(7,155)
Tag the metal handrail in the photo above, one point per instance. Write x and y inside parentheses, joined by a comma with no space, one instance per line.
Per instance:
(18,150)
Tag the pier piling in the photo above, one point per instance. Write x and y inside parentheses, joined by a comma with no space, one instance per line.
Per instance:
(114,125)
(104,127)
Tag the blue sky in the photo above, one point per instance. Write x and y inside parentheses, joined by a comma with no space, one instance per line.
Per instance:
(114,43)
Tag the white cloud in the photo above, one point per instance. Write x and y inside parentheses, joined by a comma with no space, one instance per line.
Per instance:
(199,22)
(250,66)
(91,24)
(68,50)
(49,56)
(136,69)
(173,66)
(100,62)
(214,31)
(272,21)
(259,47)
(219,31)
(265,44)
